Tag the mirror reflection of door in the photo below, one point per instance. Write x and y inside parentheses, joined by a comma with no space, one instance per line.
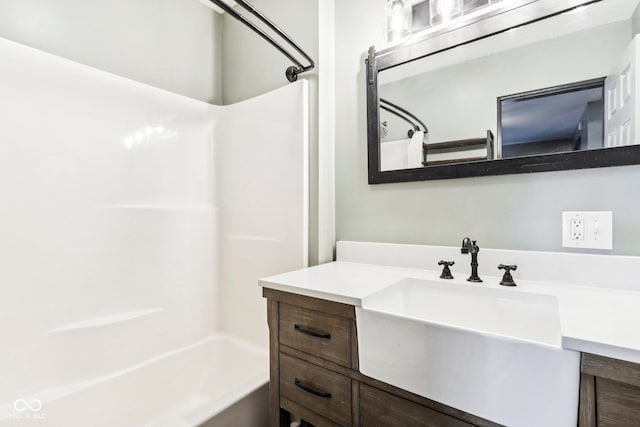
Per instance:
(620,87)
(552,120)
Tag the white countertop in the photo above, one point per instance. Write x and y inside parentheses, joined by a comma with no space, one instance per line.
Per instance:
(597,320)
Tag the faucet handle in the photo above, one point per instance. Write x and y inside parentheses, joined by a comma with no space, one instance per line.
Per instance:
(446,272)
(507,279)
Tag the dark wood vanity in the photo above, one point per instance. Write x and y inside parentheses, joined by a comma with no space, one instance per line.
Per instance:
(314,372)
(609,392)
(314,375)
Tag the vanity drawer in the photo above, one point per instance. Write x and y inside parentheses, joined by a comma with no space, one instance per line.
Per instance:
(320,390)
(618,404)
(320,334)
(381,409)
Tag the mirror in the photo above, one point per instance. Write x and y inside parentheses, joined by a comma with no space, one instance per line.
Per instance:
(505,91)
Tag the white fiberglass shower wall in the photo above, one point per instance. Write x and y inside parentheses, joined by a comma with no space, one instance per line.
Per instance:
(134,224)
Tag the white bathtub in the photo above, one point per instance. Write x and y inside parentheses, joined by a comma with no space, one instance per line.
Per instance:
(185,387)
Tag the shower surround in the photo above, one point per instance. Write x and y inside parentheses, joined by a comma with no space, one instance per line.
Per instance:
(134,226)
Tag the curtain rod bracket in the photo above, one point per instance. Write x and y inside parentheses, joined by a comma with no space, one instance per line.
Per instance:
(292,73)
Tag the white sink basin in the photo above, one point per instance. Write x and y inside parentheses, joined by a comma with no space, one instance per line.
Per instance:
(491,352)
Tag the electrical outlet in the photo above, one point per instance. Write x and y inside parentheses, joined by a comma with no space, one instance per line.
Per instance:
(577,229)
(587,230)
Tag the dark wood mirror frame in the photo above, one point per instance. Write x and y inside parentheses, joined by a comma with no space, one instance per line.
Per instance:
(520,12)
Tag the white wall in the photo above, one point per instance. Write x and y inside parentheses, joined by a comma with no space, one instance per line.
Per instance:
(170,44)
(512,212)
(635,21)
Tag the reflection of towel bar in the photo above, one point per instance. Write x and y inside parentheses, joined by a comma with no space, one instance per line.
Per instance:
(466,144)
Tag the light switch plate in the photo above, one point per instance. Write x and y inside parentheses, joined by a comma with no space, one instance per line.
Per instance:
(587,230)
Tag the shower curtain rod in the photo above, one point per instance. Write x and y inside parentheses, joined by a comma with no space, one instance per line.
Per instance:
(291,72)
(391,107)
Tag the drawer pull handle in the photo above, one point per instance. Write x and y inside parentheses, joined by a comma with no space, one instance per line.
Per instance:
(312,390)
(312,332)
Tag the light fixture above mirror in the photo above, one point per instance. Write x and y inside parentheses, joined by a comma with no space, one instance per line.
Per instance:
(444,11)
(406,17)
(397,20)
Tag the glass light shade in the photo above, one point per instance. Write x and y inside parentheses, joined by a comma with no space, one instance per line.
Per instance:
(397,20)
(443,11)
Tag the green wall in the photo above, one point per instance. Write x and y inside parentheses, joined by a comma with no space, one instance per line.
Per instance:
(170,44)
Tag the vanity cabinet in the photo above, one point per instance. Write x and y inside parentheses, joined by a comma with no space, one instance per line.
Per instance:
(379,408)
(609,392)
(314,372)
